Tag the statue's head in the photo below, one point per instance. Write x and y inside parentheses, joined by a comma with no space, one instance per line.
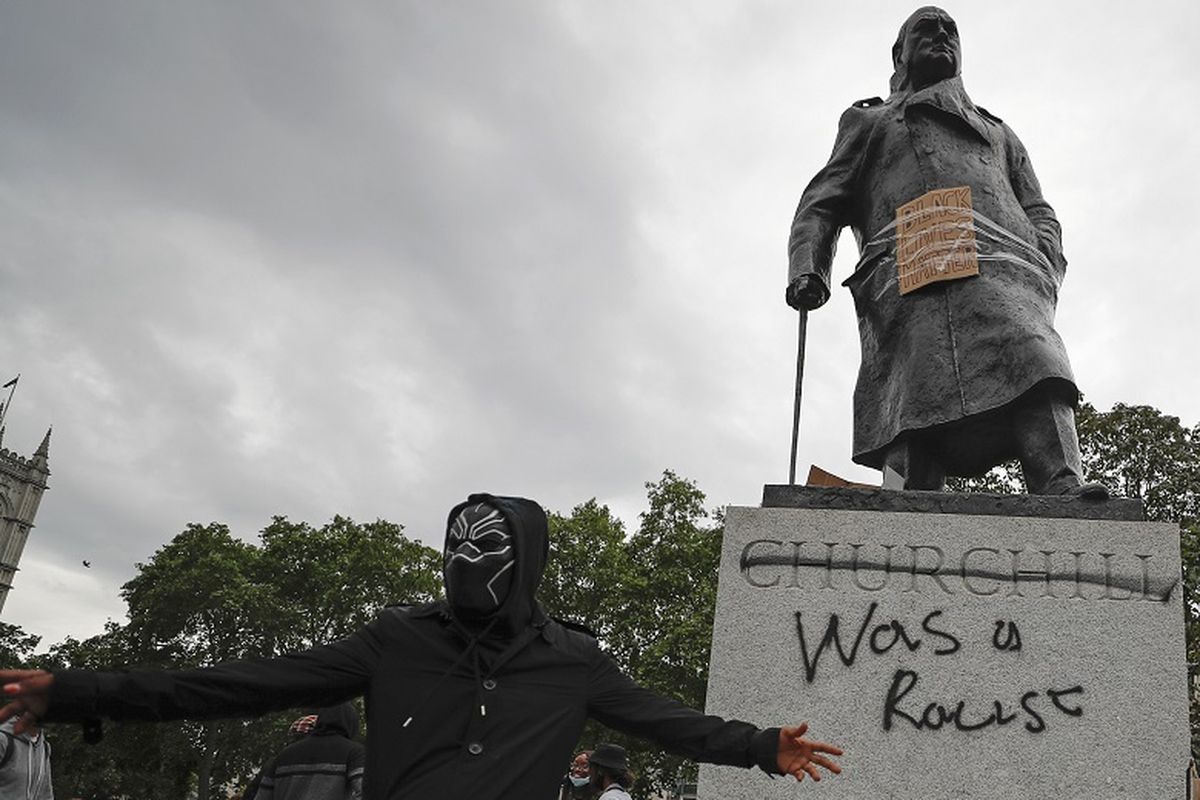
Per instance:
(926,50)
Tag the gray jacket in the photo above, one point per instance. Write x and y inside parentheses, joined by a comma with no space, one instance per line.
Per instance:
(25,770)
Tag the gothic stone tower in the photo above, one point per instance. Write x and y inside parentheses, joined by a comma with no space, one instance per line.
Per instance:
(22,481)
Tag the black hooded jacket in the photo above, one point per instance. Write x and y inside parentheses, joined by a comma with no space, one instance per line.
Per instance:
(324,765)
(454,711)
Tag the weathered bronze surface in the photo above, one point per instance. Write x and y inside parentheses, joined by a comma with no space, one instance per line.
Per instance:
(960,374)
(981,505)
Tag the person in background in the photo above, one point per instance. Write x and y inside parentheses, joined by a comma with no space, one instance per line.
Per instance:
(300,727)
(608,769)
(24,764)
(323,764)
(576,784)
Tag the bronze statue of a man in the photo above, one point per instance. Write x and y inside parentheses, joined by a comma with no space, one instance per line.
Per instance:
(960,374)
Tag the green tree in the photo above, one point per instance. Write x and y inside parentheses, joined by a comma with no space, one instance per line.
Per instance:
(670,601)
(330,581)
(650,598)
(1138,451)
(670,597)
(198,602)
(16,646)
(587,565)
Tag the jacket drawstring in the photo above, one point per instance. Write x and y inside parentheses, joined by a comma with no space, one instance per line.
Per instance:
(471,648)
(479,686)
(518,644)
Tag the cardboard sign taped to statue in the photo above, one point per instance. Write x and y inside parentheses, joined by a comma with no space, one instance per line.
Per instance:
(935,239)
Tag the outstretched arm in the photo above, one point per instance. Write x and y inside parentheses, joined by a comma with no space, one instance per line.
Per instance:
(620,703)
(799,756)
(320,676)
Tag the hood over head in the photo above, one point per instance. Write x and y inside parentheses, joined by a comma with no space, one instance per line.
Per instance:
(526,522)
(341,719)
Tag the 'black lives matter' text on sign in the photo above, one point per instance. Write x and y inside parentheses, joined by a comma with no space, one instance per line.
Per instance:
(935,239)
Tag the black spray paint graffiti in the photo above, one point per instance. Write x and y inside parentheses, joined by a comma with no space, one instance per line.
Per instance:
(883,636)
(882,639)
(936,715)
(1012,639)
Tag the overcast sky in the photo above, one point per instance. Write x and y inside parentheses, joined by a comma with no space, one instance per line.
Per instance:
(363,258)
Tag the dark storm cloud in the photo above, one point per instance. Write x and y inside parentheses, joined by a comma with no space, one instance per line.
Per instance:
(244,224)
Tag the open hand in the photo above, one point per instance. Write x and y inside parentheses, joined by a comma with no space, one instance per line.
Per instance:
(28,694)
(799,756)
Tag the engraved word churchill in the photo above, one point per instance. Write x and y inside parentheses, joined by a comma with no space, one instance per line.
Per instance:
(930,569)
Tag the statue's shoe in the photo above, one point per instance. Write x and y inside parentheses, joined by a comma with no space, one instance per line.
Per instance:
(1088,491)
(1072,488)
(1091,491)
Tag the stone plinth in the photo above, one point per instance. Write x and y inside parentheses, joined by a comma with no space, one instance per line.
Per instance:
(955,655)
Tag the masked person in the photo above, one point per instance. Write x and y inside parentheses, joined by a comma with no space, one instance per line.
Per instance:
(576,784)
(477,696)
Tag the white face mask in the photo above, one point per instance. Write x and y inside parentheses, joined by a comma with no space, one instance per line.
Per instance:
(579,782)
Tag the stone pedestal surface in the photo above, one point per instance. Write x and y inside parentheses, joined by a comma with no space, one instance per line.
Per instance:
(955,655)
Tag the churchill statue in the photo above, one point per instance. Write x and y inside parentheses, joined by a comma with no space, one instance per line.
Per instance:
(960,263)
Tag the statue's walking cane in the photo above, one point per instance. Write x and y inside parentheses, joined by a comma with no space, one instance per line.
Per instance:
(799,387)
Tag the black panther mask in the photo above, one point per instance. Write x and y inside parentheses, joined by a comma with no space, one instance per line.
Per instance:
(479,559)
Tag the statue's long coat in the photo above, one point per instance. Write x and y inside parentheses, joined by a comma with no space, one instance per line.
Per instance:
(952,351)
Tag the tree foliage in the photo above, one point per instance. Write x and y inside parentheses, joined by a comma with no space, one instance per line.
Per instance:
(328,582)
(1136,451)
(16,646)
(650,597)
(587,565)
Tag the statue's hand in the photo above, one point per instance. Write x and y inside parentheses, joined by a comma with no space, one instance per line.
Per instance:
(807,292)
